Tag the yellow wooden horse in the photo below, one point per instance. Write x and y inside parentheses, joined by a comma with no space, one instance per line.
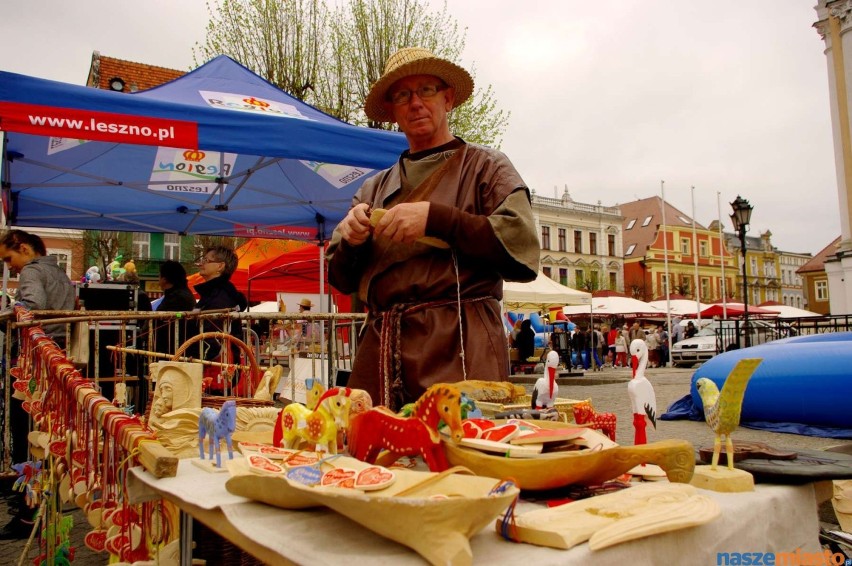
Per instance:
(318,427)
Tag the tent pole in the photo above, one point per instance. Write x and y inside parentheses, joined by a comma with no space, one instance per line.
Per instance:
(323,351)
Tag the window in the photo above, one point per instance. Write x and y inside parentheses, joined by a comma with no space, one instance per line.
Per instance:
(821,290)
(562,242)
(705,287)
(664,281)
(578,278)
(546,271)
(63,259)
(754,266)
(563,276)
(702,248)
(610,241)
(647,221)
(171,247)
(141,245)
(630,249)
(578,241)
(684,245)
(545,237)
(593,279)
(613,280)
(755,295)
(593,243)
(630,224)
(684,220)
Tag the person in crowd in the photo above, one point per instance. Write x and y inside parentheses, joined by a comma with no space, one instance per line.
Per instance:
(677,330)
(456,222)
(621,349)
(653,345)
(176,298)
(217,292)
(308,331)
(664,345)
(636,333)
(513,335)
(580,345)
(593,345)
(42,285)
(176,294)
(526,341)
(690,330)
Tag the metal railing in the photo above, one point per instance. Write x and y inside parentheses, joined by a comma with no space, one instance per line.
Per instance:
(730,335)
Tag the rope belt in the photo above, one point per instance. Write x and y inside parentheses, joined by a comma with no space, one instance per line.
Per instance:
(390,345)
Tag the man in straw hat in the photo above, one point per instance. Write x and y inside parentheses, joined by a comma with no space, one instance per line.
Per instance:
(455,222)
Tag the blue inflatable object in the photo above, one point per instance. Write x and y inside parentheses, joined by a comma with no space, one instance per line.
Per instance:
(800,380)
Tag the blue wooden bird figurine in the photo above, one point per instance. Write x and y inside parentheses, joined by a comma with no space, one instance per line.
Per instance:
(722,410)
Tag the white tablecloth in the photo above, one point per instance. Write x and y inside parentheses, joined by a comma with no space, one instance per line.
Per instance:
(773,518)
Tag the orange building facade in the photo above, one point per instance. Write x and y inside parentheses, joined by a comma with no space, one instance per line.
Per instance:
(697,255)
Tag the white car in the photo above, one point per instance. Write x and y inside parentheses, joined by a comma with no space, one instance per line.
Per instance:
(706,344)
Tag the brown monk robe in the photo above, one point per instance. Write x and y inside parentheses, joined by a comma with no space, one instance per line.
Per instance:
(434,313)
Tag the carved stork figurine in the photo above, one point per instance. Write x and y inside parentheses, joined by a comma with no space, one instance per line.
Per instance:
(642,397)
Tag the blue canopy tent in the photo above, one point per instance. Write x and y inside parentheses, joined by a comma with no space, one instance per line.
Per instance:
(216,151)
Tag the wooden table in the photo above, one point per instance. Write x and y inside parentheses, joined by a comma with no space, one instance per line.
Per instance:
(774,518)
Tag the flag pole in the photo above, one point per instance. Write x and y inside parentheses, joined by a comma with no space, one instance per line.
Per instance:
(695,259)
(666,268)
(722,257)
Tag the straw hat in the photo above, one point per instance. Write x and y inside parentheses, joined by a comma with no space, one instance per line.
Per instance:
(415,61)
(306,303)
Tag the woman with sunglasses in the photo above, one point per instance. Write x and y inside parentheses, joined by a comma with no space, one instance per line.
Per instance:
(217,292)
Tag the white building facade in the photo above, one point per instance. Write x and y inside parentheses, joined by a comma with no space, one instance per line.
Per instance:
(581,244)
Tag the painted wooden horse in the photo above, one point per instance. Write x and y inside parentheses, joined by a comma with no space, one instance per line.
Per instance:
(380,429)
(584,413)
(217,425)
(318,427)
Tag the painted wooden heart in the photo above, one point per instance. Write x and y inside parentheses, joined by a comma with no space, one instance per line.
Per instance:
(123,516)
(275,453)
(374,477)
(58,447)
(21,385)
(502,433)
(470,429)
(95,540)
(115,544)
(78,458)
(305,475)
(338,475)
(263,465)
(305,459)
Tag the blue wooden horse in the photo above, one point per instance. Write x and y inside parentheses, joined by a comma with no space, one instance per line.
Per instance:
(217,425)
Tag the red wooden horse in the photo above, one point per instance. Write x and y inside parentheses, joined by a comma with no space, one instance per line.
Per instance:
(380,429)
(584,413)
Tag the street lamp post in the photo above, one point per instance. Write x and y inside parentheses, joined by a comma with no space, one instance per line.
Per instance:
(741,218)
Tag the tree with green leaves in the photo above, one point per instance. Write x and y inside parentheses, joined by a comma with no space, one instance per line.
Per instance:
(331,58)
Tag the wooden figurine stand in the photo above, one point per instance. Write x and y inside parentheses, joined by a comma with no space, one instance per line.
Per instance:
(722,479)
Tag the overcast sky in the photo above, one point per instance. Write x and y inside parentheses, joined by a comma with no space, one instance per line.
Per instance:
(728,96)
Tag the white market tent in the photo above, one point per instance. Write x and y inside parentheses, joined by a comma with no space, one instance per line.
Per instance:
(785,311)
(542,292)
(616,306)
(680,307)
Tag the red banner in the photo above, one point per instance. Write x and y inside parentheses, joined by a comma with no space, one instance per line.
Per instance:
(99,126)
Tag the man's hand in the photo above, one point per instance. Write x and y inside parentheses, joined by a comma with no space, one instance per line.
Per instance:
(355,228)
(404,223)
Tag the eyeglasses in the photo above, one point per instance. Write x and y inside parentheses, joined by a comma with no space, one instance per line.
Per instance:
(204,260)
(403,96)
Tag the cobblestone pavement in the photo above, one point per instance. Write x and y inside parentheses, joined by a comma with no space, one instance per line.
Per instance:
(608,391)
